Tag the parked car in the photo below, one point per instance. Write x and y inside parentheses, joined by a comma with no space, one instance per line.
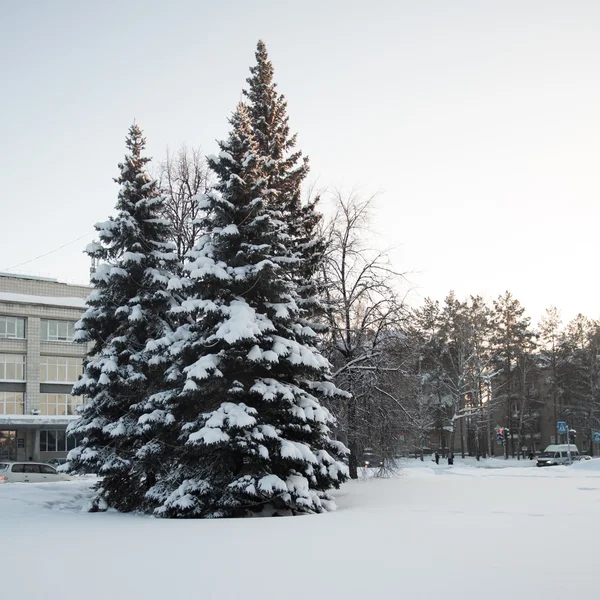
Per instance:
(29,472)
(558,454)
(57,462)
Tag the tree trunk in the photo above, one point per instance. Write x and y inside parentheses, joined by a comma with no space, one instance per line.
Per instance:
(352,439)
(452,435)
(442,440)
(353,464)
(489,430)
(511,436)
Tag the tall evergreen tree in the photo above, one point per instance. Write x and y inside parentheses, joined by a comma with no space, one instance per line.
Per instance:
(255,436)
(457,360)
(550,355)
(285,170)
(126,310)
(453,340)
(512,345)
(579,378)
(479,315)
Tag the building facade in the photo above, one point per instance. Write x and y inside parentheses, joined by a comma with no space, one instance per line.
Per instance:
(39,363)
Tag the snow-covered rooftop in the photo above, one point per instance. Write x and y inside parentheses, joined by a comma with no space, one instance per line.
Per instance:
(66,301)
(34,277)
(25,420)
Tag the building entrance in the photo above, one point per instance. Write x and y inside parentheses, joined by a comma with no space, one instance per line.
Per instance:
(8,444)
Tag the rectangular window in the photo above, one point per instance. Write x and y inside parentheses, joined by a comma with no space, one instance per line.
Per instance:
(12,403)
(61,441)
(60,369)
(73,441)
(59,404)
(12,367)
(52,440)
(12,327)
(57,331)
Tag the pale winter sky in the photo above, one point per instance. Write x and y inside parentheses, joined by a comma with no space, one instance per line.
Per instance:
(479,123)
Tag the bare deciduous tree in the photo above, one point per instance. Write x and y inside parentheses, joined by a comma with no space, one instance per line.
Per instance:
(183,175)
(364,316)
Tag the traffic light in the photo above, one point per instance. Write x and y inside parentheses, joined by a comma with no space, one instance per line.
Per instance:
(502,434)
(572,436)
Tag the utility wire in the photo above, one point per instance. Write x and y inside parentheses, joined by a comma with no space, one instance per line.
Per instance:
(48,253)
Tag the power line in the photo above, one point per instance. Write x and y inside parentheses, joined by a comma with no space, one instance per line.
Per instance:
(48,253)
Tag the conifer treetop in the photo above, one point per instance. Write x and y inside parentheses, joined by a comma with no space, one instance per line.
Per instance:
(137,226)
(285,169)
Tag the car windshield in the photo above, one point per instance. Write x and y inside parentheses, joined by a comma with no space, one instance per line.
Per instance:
(3,466)
(547,455)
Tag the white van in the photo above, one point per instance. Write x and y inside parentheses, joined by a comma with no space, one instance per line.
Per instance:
(558,454)
(29,472)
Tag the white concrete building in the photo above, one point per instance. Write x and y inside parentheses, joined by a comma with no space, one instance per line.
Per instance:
(38,365)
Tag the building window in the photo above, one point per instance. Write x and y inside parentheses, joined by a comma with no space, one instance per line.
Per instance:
(60,369)
(12,403)
(12,367)
(52,440)
(12,327)
(59,404)
(57,331)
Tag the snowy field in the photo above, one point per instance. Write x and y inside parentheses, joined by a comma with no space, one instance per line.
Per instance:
(474,530)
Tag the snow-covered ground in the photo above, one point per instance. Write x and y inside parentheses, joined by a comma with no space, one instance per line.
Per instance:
(489,530)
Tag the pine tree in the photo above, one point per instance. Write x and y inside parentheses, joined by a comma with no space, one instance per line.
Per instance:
(513,343)
(126,311)
(550,334)
(285,171)
(254,436)
(578,377)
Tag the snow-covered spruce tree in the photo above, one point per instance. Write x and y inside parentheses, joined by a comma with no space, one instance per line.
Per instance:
(256,437)
(126,310)
(285,171)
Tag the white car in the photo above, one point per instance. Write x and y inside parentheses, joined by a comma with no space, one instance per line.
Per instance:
(29,472)
(558,454)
